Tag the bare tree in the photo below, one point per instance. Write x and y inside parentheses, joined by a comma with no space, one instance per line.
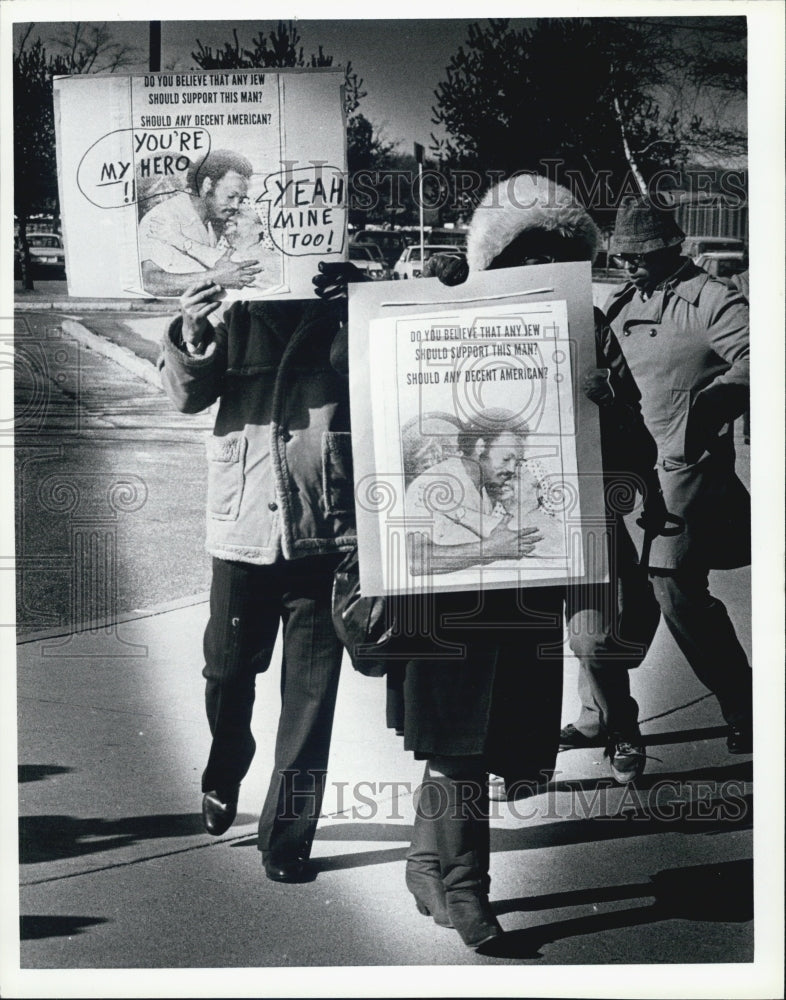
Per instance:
(507,102)
(279,48)
(704,82)
(82,49)
(89,48)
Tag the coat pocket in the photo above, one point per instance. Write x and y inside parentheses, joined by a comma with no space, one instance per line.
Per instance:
(225,475)
(337,483)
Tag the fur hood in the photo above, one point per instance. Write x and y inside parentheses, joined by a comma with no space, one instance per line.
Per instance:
(526,201)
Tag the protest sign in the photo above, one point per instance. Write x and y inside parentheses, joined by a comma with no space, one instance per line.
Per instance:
(479,464)
(167,178)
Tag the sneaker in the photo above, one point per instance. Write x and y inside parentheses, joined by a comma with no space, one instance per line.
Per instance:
(627,760)
(571,738)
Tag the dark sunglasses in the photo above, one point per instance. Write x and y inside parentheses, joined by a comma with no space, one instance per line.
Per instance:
(539,258)
(628,259)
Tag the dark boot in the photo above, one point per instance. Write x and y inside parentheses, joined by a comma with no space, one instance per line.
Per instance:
(463,843)
(423,876)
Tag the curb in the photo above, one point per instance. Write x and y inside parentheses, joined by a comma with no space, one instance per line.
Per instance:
(91,305)
(122,355)
(99,624)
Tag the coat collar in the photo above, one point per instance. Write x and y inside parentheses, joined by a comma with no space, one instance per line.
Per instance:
(261,334)
(687,282)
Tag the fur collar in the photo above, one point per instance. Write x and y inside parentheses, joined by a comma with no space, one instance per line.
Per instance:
(526,201)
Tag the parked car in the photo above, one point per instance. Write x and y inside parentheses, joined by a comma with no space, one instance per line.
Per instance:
(457,237)
(42,223)
(604,260)
(390,243)
(723,263)
(366,261)
(695,246)
(46,251)
(375,252)
(409,264)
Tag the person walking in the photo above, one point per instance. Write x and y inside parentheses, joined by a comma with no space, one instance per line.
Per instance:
(498,709)
(531,220)
(685,338)
(280,513)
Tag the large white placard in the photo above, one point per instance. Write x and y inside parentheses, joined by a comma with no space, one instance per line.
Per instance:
(477,462)
(168,178)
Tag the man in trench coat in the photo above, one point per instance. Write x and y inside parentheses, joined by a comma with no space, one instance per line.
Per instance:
(685,339)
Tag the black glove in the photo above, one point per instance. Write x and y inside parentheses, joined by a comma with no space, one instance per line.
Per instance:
(708,415)
(597,386)
(450,268)
(654,515)
(333,277)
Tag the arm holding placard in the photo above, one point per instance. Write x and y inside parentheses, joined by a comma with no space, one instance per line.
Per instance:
(424,556)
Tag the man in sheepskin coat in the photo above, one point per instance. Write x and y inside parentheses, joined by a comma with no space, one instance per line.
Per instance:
(280,514)
(531,220)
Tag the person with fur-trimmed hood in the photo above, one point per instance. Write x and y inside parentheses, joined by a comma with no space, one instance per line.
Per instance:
(529,219)
(465,718)
(498,708)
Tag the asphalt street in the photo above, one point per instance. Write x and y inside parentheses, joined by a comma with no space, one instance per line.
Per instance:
(115,870)
(110,483)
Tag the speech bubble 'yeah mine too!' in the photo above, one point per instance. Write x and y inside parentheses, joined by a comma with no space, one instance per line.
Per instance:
(120,162)
(306,209)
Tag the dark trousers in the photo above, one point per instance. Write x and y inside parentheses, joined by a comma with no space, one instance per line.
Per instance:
(703,631)
(526,706)
(246,605)
(610,628)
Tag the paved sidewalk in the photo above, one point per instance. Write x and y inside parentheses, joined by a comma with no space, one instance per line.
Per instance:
(116,871)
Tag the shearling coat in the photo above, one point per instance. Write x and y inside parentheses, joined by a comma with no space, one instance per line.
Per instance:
(689,338)
(279,456)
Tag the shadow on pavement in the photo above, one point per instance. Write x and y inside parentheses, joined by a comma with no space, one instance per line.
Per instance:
(740,771)
(53,838)
(37,772)
(720,893)
(361,859)
(402,832)
(578,825)
(707,800)
(34,928)
(685,735)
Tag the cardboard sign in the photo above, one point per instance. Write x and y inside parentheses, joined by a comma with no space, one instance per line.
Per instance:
(479,466)
(168,178)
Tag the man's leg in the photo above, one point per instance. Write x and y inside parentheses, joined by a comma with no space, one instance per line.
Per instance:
(589,722)
(704,633)
(610,629)
(604,683)
(309,683)
(238,644)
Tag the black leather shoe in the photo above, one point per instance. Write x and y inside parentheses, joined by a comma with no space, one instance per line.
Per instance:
(739,740)
(218,813)
(571,738)
(293,870)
